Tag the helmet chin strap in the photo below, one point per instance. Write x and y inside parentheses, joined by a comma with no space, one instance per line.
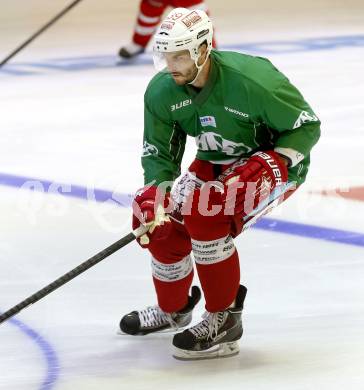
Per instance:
(199,67)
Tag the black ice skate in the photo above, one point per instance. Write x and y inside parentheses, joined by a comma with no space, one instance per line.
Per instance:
(153,319)
(215,336)
(131,50)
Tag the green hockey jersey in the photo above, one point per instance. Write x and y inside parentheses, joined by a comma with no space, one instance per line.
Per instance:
(246,105)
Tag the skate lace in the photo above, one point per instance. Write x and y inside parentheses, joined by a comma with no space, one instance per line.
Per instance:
(210,325)
(153,316)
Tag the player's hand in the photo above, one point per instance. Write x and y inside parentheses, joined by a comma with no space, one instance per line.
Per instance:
(253,181)
(149,210)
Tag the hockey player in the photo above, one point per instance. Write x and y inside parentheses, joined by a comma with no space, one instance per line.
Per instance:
(149,17)
(254,132)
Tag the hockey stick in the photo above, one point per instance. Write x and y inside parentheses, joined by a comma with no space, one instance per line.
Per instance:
(254,215)
(73,273)
(30,39)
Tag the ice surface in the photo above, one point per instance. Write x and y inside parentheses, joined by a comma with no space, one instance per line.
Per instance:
(69,114)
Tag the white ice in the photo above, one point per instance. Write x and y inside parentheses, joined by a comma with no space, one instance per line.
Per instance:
(304,314)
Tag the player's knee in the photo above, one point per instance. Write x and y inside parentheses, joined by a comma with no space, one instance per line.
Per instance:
(206,227)
(172,248)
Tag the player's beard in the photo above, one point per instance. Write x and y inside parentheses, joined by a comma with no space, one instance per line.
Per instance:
(186,77)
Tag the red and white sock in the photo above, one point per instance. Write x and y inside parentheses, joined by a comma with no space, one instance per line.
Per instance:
(217,263)
(172,282)
(217,260)
(172,268)
(149,17)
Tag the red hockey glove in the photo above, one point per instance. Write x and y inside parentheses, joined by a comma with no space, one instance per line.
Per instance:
(249,183)
(149,210)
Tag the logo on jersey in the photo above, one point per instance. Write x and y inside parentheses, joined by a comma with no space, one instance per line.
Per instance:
(191,19)
(210,141)
(179,105)
(149,149)
(303,118)
(208,121)
(232,110)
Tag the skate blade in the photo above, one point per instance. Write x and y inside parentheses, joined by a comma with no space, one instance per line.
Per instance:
(164,331)
(217,351)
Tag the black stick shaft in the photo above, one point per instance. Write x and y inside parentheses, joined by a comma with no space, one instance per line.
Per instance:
(30,39)
(68,276)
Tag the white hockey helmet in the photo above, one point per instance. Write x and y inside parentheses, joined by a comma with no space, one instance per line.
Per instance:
(182,29)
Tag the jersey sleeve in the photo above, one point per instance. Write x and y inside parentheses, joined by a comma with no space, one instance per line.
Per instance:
(163,147)
(286,111)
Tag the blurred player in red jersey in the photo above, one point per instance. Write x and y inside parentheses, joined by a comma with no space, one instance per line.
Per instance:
(149,17)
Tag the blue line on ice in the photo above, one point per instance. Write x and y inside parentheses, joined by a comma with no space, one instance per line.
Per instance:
(47,350)
(124,200)
(82,63)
